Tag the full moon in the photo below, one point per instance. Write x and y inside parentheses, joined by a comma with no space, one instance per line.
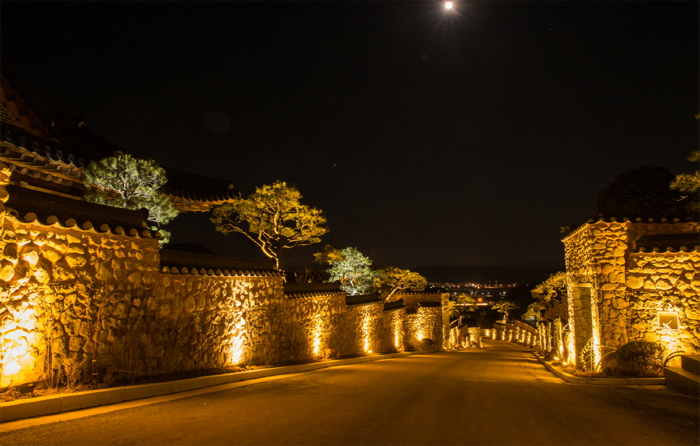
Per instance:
(448,5)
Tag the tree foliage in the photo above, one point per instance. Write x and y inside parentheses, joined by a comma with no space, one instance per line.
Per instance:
(393,280)
(351,268)
(641,192)
(273,218)
(328,256)
(455,308)
(131,183)
(505,306)
(543,293)
(555,284)
(689,184)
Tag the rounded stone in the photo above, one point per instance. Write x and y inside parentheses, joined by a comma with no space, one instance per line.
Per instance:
(663,284)
(135,277)
(190,304)
(30,254)
(10,252)
(635,282)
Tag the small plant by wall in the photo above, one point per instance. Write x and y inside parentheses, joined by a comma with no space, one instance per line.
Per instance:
(637,358)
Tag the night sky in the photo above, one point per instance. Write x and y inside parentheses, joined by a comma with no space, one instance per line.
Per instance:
(426,137)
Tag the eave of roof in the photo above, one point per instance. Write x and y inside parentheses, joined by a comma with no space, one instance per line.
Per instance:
(668,243)
(48,210)
(190,261)
(362,299)
(603,219)
(50,161)
(393,306)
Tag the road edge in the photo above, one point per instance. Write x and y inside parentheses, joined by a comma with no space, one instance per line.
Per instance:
(599,381)
(55,404)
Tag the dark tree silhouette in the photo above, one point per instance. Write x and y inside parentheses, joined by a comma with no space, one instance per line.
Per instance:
(641,192)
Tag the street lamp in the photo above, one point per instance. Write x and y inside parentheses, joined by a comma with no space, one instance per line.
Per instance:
(449,5)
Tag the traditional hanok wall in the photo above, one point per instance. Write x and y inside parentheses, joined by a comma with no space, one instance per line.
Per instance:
(104,300)
(664,299)
(66,292)
(98,299)
(611,285)
(428,317)
(360,329)
(205,319)
(313,315)
(394,335)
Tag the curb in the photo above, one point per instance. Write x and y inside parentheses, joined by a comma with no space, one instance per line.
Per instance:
(600,381)
(54,404)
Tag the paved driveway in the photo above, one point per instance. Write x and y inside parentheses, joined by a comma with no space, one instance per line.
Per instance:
(498,395)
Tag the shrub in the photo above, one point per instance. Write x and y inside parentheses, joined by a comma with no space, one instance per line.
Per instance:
(637,358)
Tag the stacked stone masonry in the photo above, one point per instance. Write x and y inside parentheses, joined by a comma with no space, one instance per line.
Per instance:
(104,302)
(616,290)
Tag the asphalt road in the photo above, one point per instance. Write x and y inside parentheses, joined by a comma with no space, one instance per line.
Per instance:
(498,395)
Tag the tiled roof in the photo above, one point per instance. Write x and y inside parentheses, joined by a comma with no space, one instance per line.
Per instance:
(604,219)
(189,261)
(303,290)
(47,210)
(37,150)
(17,88)
(643,219)
(190,192)
(218,272)
(47,160)
(668,243)
(362,299)
(393,306)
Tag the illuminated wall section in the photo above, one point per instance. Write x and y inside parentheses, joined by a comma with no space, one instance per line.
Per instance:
(665,299)
(629,287)
(101,297)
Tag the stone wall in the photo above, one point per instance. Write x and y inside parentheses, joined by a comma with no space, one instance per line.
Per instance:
(420,315)
(360,329)
(665,282)
(394,334)
(611,285)
(202,321)
(96,296)
(70,294)
(308,336)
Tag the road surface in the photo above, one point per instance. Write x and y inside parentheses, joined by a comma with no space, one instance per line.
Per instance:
(499,395)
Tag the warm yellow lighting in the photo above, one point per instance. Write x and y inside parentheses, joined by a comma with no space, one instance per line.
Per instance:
(572,347)
(317,337)
(236,351)
(397,334)
(18,355)
(366,334)
(11,368)
(668,320)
